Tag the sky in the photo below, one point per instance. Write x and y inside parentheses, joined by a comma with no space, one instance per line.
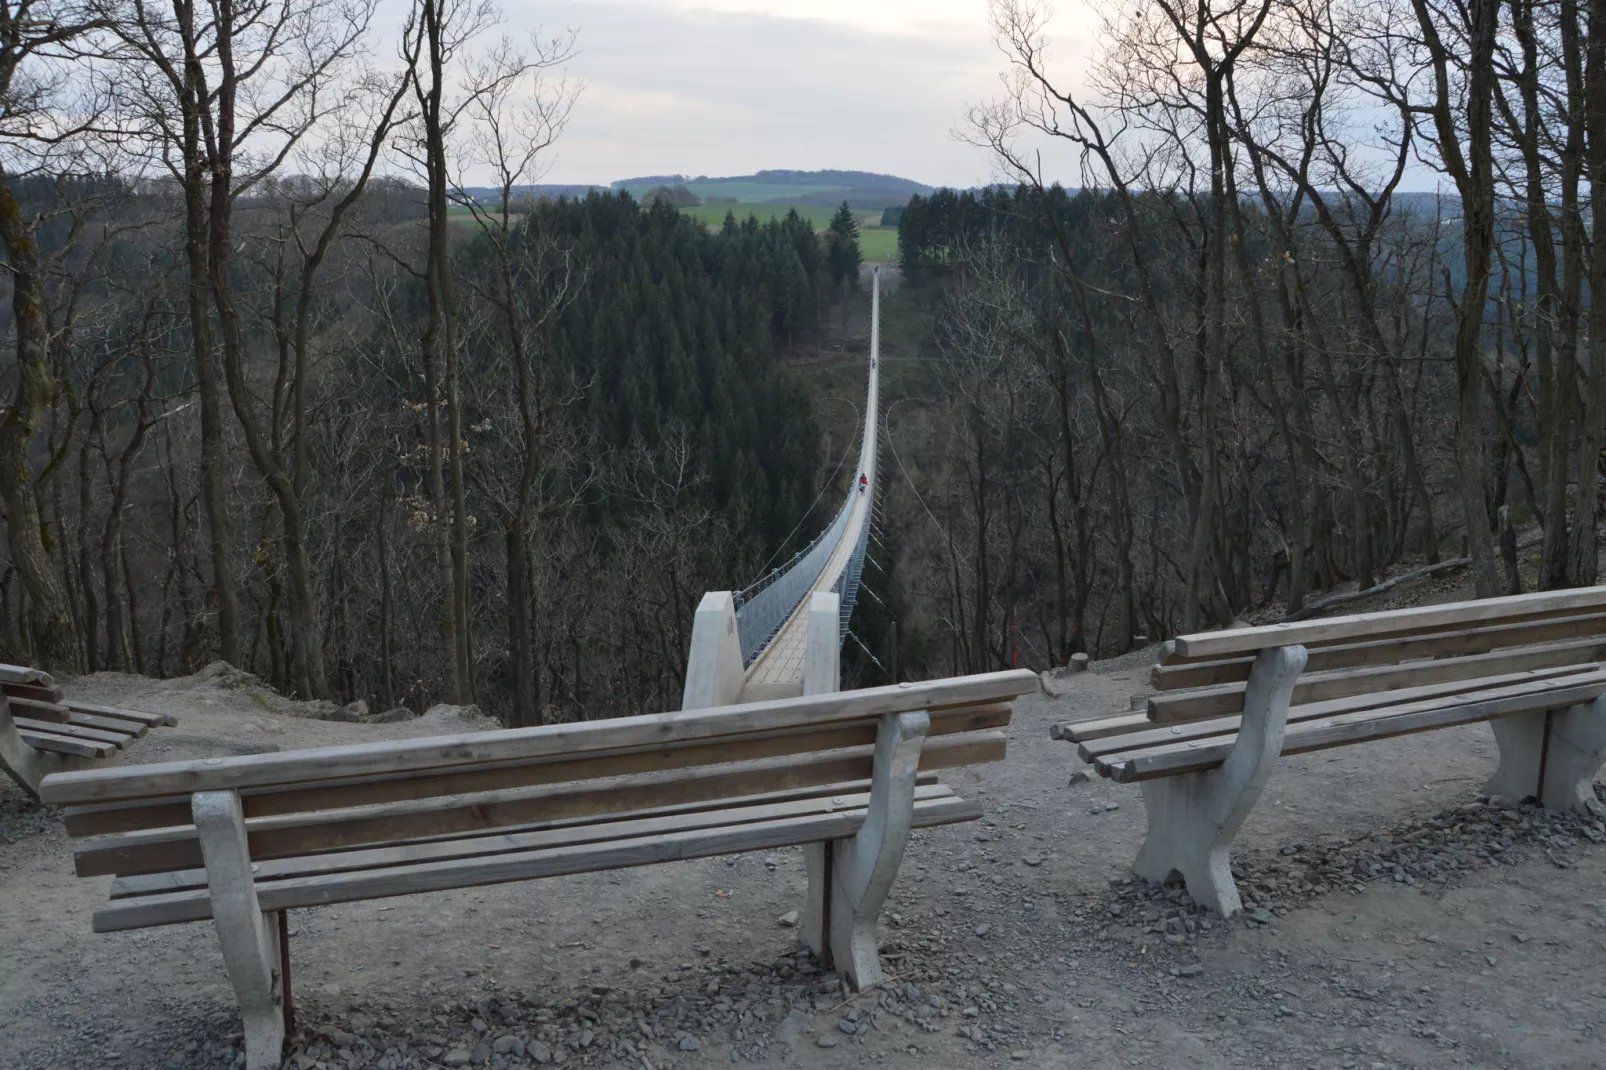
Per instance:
(729,87)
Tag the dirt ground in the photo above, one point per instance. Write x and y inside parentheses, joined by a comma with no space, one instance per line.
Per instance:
(1395,922)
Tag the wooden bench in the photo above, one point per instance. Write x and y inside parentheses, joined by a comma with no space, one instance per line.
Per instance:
(42,732)
(1230,702)
(241,840)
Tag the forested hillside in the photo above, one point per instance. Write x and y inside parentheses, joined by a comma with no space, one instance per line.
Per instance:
(1242,367)
(631,442)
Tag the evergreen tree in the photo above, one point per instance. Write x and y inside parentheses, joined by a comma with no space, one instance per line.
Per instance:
(842,247)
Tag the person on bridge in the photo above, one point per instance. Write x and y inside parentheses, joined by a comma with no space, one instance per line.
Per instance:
(864,481)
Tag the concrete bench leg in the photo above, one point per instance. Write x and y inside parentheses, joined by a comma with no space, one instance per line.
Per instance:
(1194,817)
(1552,756)
(248,936)
(28,766)
(864,866)
(822,675)
(849,879)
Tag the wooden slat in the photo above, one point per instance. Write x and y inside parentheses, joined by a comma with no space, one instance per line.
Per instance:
(39,711)
(195,904)
(1355,626)
(153,720)
(176,847)
(59,744)
(134,729)
(1313,687)
(369,791)
(1149,735)
(1174,759)
(23,674)
(147,883)
(1098,728)
(99,735)
(564,834)
(1392,650)
(38,692)
(548,741)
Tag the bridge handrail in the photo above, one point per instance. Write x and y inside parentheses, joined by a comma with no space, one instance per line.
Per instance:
(759,616)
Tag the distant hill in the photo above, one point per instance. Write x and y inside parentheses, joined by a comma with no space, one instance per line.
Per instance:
(861,189)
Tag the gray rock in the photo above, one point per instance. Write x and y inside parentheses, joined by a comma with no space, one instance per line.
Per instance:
(789,920)
(508,1044)
(538,1052)
(850,1028)
(1192,969)
(828,1041)
(690,1044)
(983,929)
(400,713)
(1081,776)
(455,1057)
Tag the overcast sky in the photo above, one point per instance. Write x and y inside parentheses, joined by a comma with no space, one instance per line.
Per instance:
(728,87)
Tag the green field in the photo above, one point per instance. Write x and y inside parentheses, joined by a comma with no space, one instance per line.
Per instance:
(878,245)
(817,214)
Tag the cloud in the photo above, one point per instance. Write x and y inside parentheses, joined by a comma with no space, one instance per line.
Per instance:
(730,92)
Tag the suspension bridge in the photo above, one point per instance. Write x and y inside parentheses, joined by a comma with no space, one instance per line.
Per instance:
(783,635)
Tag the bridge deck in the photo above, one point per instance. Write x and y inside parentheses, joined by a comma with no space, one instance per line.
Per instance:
(777,672)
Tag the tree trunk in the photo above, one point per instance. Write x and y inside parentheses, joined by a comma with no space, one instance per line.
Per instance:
(54,636)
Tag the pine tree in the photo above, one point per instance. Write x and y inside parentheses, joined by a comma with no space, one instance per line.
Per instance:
(842,247)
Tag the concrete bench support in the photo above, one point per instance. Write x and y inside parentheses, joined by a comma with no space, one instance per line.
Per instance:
(28,766)
(864,866)
(849,879)
(822,674)
(1552,756)
(248,936)
(1194,817)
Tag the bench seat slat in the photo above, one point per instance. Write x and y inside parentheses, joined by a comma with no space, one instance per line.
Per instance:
(99,735)
(367,791)
(321,889)
(1390,651)
(132,729)
(152,720)
(60,744)
(1388,622)
(522,839)
(176,847)
(1148,735)
(552,741)
(1313,687)
(1322,733)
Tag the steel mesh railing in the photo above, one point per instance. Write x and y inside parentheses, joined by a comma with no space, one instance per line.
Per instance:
(768,605)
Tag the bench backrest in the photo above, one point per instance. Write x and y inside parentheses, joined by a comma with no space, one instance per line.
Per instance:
(325,798)
(32,693)
(1422,651)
